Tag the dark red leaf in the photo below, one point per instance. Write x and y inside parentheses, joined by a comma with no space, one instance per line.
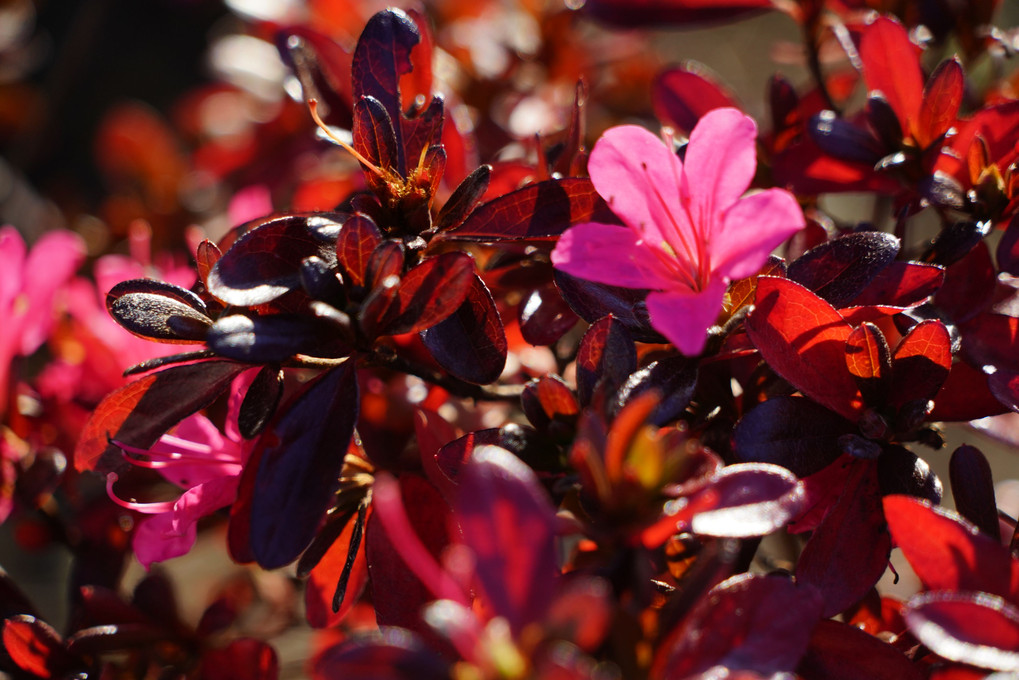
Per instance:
(323,67)
(452,457)
(548,399)
(425,295)
(386,260)
(992,340)
(375,139)
(839,651)
(606,354)
(243,659)
(793,432)
(206,257)
(389,654)
(342,558)
(509,523)
(471,342)
(949,553)
(355,245)
(433,432)
(891,65)
(900,471)
(424,131)
(140,412)
(921,362)
(849,550)
(749,622)
(803,339)
(974,628)
(745,500)
(34,646)
(593,301)
(1007,253)
(260,401)
(298,460)
(1004,385)
(265,263)
(272,338)
(381,57)
(942,96)
(869,361)
(540,211)
(841,269)
(901,284)
(674,378)
(969,285)
(545,316)
(113,638)
(973,489)
(966,396)
(464,198)
(682,94)
(158,311)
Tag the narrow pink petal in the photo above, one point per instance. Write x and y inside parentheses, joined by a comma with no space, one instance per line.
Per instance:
(155,539)
(203,500)
(238,390)
(53,261)
(751,229)
(12,266)
(720,163)
(684,317)
(614,255)
(639,177)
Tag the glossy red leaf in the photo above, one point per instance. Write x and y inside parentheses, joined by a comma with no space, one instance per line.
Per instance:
(464,198)
(901,284)
(398,593)
(385,261)
(418,82)
(540,211)
(298,460)
(341,559)
(547,399)
(891,65)
(973,489)
(793,432)
(744,500)
(471,342)
(949,553)
(607,355)
(839,651)
(34,646)
(140,412)
(841,269)
(682,94)
(921,362)
(452,457)
(158,311)
(974,627)
(803,339)
(848,552)
(749,622)
(242,659)
(509,523)
(869,361)
(375,139)
(381,57)
(544,316)
(425,295)
(265,262)
(942,96)
(357,241)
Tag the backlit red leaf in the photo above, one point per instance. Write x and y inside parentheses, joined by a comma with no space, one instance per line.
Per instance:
(839,651)
(320,591)
(942,96)
(869,360)
(34,645)
(426,295)
(682,94)
(891,65)
(901,284)
(803,339)
(607,354)
(354,247)
(921,362)
(140,412)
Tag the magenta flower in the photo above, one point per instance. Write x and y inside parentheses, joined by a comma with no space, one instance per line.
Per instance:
(198,458)
(688,231)
(29,282)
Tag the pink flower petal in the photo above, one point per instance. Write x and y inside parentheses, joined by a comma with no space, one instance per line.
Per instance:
(720,163)
(684,317)
(614,255)
(155,540)
(639,177)
(12,265)
(50,265)
(751,229)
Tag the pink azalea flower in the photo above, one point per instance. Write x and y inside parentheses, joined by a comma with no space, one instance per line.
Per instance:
(688,231)
(198,458)
(29,282)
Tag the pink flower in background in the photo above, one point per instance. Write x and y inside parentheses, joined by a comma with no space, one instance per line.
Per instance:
(196,457)
(688,231)
(29,281)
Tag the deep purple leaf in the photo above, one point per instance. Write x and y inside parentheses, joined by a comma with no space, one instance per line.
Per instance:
(976,628)
(902,472)
(389,654)
(593,301)
(260,401)
(158,311)
(841,269)
(749,622)
(606,354)
(509,524)
(973,489)
(843,139)
(956,240)
(675,380)
(265,263)
(793,432)
(1008,248)
(848,552)
(540,211)
(464,198)
(471,342)
(272,338)
(545,316)
(298,460)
